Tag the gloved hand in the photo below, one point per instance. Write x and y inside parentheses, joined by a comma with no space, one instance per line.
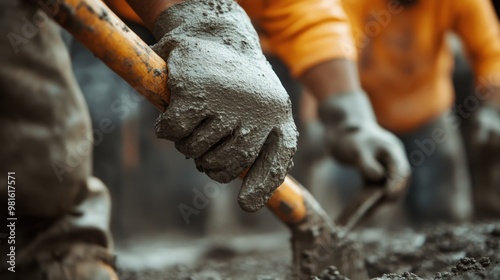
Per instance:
(228,110)
(355,138)
(485,130)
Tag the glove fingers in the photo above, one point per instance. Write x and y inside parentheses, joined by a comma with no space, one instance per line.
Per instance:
(204,137)
(267,172)
(370,167)
(397,173)
(178,122)
(230,157)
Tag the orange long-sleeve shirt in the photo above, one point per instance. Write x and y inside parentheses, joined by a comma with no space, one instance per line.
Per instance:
(303,33)
(404,62)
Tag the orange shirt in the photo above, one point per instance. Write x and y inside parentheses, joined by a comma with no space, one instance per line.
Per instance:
(404,62)
(303,33)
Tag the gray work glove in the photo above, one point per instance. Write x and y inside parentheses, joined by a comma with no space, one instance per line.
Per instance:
(228,110)
(354,138)
(485,133)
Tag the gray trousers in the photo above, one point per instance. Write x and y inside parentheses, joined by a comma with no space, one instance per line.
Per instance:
(46,139)
(440,188)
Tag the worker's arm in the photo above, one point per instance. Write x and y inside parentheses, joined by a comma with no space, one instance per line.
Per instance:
(331,77)
(314,38)
(228,110)
(476,23)
(352,132)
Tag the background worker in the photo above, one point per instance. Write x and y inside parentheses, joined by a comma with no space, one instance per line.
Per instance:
(405,67)
(314,39)
(63,211)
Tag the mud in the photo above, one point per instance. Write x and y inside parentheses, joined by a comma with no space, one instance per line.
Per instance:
(441,249)
(228,109)
(451,252)
(317,244)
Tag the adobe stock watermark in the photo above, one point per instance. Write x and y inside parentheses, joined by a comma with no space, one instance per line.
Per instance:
(201,200)
(11,221)
(30,27)
(123,106)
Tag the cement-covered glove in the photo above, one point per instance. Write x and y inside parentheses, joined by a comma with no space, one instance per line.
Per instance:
(485,133)
(228,109)
(355,138)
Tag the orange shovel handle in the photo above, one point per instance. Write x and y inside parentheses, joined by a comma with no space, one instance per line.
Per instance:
(101,31)
(109,38)
(287,202)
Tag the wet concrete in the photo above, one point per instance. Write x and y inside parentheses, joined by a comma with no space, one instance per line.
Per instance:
(317,243)
(454,252)
(444,252)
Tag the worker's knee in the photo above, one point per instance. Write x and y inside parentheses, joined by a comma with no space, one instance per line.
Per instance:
(85,221)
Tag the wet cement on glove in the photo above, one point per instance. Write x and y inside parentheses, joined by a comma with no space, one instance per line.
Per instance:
(218,77)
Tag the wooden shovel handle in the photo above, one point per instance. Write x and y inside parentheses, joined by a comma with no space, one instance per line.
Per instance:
(100,30)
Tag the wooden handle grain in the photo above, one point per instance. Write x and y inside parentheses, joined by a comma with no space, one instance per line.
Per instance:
(100,30)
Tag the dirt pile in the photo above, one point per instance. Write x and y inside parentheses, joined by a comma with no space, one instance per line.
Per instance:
(465,269)
(472,247)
